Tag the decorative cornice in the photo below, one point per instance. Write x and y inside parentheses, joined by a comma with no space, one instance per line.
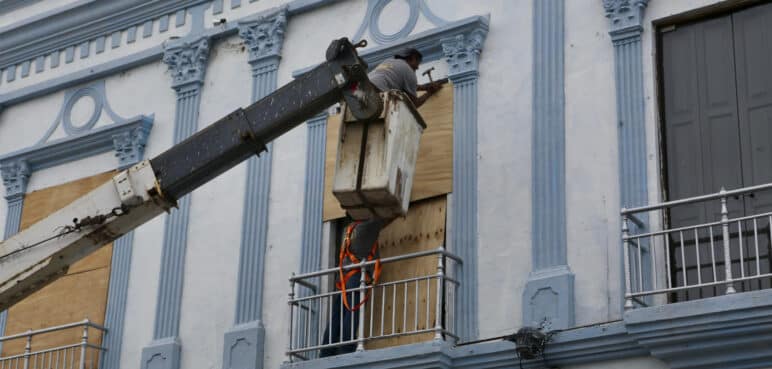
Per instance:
(264,36)
(375,11)
(626,17)
(82,23)
(72,148)
(462,53)
(129,146)
(143,13)
(187,61)
(15,178)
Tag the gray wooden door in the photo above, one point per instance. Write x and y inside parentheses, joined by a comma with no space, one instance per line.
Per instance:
(753,57)
(717,95)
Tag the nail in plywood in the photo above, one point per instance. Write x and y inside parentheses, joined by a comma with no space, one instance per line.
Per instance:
(434,165)
(81,293)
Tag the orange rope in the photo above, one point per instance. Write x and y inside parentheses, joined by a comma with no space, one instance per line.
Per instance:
(345,252)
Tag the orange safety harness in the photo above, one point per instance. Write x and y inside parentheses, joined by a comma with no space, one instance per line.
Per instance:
(345,252)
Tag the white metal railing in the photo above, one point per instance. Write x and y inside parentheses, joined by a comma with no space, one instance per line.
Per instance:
(414,305)
(77,355)
(705,259)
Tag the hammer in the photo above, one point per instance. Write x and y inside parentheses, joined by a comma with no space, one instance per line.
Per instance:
(428,72)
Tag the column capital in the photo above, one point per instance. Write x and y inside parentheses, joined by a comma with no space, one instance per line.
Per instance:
(462,53)
(264,36)
(187,62)
(15,176)
(129,146)
(626,17)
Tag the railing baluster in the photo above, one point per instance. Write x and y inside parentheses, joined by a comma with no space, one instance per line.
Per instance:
(652,248)
(360,314)
(292,308)
(756,244)
(438,305)
(428,301)
(697,252)
(394,309)
(383,306)
(83,346)
(404,308)
(740,237)
(626,251)
(683,257)
(27,349)
(667,260)
(712,254)
(330,306)
(415,303)
(371,305)
(640,264)
(727,257)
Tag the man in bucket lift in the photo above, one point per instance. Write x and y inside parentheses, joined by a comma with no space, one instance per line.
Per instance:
(397,73)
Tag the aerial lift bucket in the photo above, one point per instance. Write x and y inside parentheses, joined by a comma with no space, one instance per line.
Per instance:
(375,165)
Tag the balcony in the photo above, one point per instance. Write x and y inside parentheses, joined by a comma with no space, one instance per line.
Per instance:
(412,303)
(704,246)
(68,346)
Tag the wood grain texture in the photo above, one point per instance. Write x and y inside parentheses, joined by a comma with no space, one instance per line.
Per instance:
(80,294)
(434,166)
(422,229)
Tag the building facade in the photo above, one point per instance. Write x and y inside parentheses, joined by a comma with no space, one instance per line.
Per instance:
(592,169)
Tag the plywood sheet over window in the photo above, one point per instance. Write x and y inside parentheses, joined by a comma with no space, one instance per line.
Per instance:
(422,229)
(80,294)
(434,166)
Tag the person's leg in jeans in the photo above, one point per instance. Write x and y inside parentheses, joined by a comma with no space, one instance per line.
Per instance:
(349,319)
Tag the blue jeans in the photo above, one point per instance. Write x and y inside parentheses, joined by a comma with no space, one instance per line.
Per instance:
(333,333)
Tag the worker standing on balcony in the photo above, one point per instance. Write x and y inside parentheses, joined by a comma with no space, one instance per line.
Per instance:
(398,73)
(345,320)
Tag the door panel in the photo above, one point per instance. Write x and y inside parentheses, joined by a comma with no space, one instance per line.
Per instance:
(753,57)
(702,142)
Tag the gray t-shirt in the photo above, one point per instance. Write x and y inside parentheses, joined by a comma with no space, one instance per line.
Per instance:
(394,74)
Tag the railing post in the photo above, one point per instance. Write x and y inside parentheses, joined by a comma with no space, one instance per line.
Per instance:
(625,247)
(83,345)
(291,306)
(28,349)
(727,256)
(438,326)
(361,320)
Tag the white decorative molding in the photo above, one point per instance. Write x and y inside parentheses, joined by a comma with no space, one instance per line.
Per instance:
(375,9)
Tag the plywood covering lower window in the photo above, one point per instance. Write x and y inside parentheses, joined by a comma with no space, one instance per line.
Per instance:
(422,229)
(80,294)
(434,166)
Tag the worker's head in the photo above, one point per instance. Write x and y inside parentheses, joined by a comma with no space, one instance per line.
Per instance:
(410,55)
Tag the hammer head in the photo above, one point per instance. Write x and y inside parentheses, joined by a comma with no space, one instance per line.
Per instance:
(428,72)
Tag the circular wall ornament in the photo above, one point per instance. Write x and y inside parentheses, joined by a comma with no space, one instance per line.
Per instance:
(375,30)
(69,127)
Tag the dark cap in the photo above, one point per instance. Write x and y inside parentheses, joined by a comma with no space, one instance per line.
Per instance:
(408,52)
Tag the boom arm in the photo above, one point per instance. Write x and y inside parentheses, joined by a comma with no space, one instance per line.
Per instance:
(41,253)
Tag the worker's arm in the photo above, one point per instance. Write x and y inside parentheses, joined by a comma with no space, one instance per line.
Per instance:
(430,89)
